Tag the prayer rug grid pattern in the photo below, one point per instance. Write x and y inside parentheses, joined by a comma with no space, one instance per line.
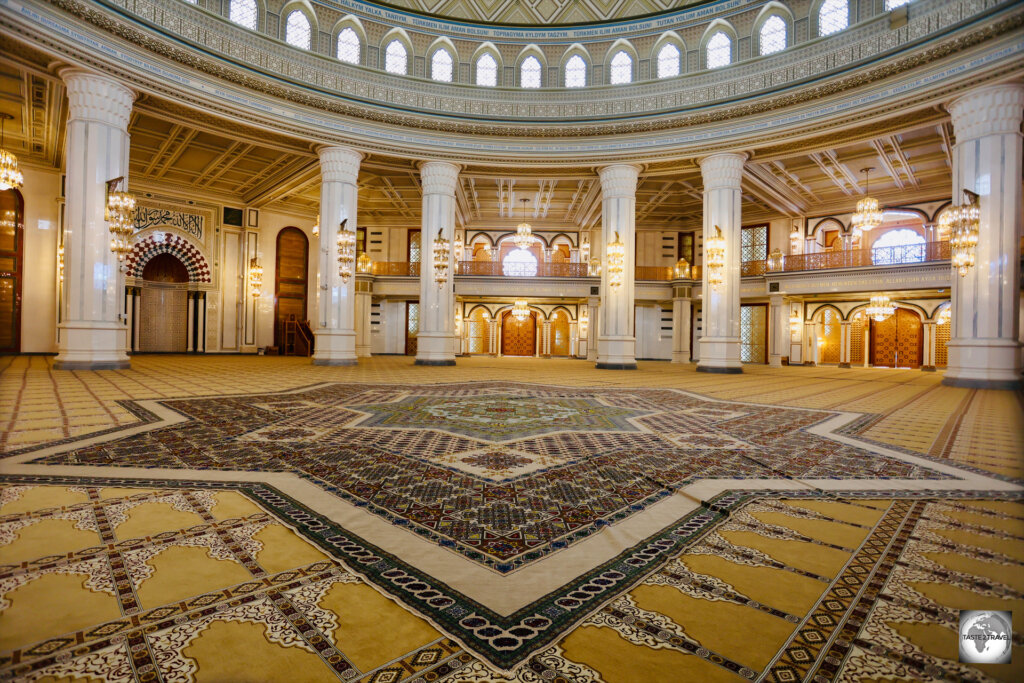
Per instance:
(424,456)
(195,581)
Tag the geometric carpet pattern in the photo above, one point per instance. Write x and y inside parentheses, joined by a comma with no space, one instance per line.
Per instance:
(458,527)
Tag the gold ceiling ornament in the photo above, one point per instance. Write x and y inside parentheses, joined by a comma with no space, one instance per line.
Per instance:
(880,308)
(346,251)
(682,269)
(364,263)
(867,215)
(10,176)
(714,249)
(119,212)
(255,278)
(521,311)
(775,260)
(442,257)
(964,225)
(616,259)
(524,233)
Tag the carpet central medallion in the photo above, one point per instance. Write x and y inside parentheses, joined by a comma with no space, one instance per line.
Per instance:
(498,418)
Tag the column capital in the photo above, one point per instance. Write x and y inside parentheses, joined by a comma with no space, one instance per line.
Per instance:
(97,97)
(723,170)
(619,180)
(439,177)
(339,164)
(988,110)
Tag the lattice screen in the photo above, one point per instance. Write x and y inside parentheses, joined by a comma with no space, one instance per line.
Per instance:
(857,341)
(832,334)
(942,333)
(753,325)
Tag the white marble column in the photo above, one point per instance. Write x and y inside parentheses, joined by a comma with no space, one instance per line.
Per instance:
(364,304)
(778,330)
(136,318)
(93,335)
(928,346)
(546,348)
(720,345)
(984,351)
(810,343)
(336,326)
(594,313)
(437,304)
(492,337)
(681,307)
(616,340)
(845,342)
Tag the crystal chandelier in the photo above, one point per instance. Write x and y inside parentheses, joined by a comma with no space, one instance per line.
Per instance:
(963,231)
(316,225)
(346,251)
(794,240)
(880,308)
(585,251)
(255,278)
(616,258)
(714,248)
(682,269)
(521,311)
(60,263)
(867,215)
(584,321)
(120,214)
(524,234)
(10,177)
(594,267)
(442,257)
(364,263)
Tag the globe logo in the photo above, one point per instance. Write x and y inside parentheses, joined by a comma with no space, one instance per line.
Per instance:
(985,637)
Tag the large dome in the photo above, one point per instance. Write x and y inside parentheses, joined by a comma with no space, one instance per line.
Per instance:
(541,12)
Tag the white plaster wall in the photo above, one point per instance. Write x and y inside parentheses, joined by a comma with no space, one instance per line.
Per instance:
(651,341)
(41,193)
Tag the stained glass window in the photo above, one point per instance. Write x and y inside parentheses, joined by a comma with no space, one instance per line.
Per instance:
(348,46)
(575,72)
(622,68)
(396,59)
(668,61)
(833,16)
(719,51)
(486,71)
(296,30)
(773,35)
(529,73)
(244,13)
(441,66)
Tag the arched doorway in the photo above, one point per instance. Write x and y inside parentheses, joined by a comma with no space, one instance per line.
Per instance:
(897,340)
(11,250)
(163,325)
(291,284)
(560,333)
(478,332)
(518,337)
(829,335)
(942,333)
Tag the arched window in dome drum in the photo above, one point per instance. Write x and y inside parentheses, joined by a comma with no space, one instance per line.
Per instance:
(396,59)
(441,66)
(668,61)
(575,72)
(244,13)
(833,16)
(348,46)
(297,31)
(893,4)
(622,68)
(772,37)
(529,72)
(719,51)
(486,71)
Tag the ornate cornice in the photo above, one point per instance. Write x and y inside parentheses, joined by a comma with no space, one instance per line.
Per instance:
(993,110)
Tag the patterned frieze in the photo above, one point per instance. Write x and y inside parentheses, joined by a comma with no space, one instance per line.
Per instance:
(933,275)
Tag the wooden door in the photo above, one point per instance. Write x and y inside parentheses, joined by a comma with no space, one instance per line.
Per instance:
(832,335)
(518,337)
(11,248)
(163,309)
(291,280)
(560,334)
(897,340)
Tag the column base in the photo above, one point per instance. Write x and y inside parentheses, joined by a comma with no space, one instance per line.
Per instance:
(775,361)
(847,365)
(615,366)
(335,362)
(434,363)
(984,364)
(91,365)
(809,363)
(927,368)
(681,357)
(363,352)
(435,348)
(92,346)
(719,370)
(334,347)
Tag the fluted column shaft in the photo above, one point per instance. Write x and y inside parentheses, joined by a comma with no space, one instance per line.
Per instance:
(364,306)
(984,351)
(437,304)
(616,339)
(720,345)
(93,334)
(778,321)
(336,324)
(593,319)
(681,329)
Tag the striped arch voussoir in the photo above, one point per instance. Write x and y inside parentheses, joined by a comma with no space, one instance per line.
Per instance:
(168,243)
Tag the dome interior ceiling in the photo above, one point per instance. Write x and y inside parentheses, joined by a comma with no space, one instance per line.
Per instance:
(541,12)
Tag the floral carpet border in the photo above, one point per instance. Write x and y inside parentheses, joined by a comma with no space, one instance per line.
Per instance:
(504,641)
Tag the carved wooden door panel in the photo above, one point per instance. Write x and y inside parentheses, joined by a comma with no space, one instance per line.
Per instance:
(518,338)
(909,338)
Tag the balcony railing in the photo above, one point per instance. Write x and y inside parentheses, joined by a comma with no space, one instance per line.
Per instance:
(858,258)
(498,269)
(655,273)
(395,268)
